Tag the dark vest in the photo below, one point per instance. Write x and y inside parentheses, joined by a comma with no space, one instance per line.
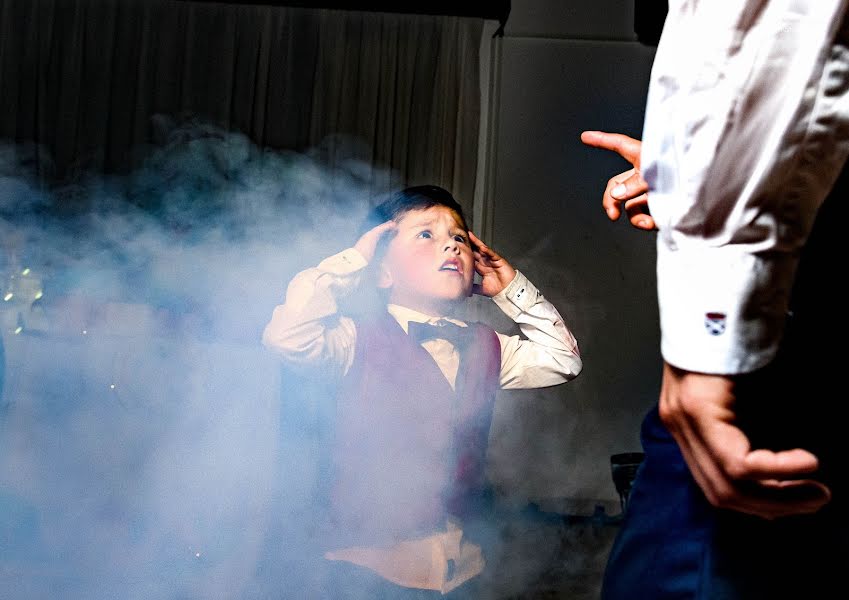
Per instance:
(408,449)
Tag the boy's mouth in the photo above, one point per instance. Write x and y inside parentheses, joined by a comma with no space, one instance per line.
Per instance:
(451,265)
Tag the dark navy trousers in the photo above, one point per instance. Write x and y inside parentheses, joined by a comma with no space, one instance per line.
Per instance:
(674,545)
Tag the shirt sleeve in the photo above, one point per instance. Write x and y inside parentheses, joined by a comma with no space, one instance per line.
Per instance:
(307,330)
(745,133)
(550,355)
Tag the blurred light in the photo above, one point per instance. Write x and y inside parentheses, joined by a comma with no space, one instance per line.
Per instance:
(39,294)
(112,386)
(84,332)
(8,297)
(25,271)
(18,329)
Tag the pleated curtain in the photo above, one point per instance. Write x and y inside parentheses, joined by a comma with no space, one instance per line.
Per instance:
(86,84)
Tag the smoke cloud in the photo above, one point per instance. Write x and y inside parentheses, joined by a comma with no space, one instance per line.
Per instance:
(146,448)
(150,447)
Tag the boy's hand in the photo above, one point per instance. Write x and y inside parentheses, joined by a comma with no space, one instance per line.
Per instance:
(367,244)
(628,189)
(496,273)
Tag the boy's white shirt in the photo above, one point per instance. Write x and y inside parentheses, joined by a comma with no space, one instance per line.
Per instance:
(308,332)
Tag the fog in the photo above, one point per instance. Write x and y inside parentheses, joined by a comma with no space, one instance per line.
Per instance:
(150,447)
(147,449)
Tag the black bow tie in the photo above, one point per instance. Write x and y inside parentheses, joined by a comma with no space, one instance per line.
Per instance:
(445,330)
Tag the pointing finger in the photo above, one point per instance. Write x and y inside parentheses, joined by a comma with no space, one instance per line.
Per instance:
(625,146)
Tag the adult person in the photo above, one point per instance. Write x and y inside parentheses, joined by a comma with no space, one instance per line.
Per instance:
(741,494)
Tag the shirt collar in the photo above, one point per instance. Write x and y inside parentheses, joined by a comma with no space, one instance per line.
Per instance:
(404,315)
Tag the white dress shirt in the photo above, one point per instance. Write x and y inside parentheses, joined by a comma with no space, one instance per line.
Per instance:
(308,331)
(746,130)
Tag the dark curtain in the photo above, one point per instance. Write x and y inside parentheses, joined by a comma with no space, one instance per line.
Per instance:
(498,10)
(649,16)
(82,81)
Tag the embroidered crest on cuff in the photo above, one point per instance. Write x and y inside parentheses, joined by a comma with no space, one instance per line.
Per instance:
(715,323)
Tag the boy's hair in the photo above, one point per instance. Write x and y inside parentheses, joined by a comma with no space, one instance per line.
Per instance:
(420,197)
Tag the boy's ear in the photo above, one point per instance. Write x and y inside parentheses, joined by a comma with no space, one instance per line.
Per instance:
(384,276)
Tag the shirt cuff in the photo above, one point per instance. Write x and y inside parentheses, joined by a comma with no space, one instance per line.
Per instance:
(519,296)
(344,263)
(722,311)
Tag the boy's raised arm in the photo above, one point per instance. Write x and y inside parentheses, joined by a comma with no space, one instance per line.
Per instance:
(306,331)
(549,355)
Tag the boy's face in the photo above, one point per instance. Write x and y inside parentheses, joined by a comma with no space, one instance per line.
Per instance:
(429,265)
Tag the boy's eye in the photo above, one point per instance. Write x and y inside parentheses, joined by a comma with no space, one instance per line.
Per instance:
(424,235)
(461,238)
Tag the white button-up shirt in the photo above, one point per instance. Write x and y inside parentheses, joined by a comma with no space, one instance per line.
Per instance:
(746,130)
(308,331)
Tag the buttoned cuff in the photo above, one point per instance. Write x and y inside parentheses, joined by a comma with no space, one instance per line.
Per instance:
(722,311)
(344,263)
(519,296)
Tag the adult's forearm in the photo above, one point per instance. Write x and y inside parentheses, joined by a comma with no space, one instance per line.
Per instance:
(745,134)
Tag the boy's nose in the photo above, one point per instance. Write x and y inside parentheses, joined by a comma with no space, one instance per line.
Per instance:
(452,245)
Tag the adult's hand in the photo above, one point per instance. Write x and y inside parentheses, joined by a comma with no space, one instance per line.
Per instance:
(627,190)
(698,411)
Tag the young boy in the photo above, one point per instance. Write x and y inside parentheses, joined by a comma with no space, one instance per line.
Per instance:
(414,402)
